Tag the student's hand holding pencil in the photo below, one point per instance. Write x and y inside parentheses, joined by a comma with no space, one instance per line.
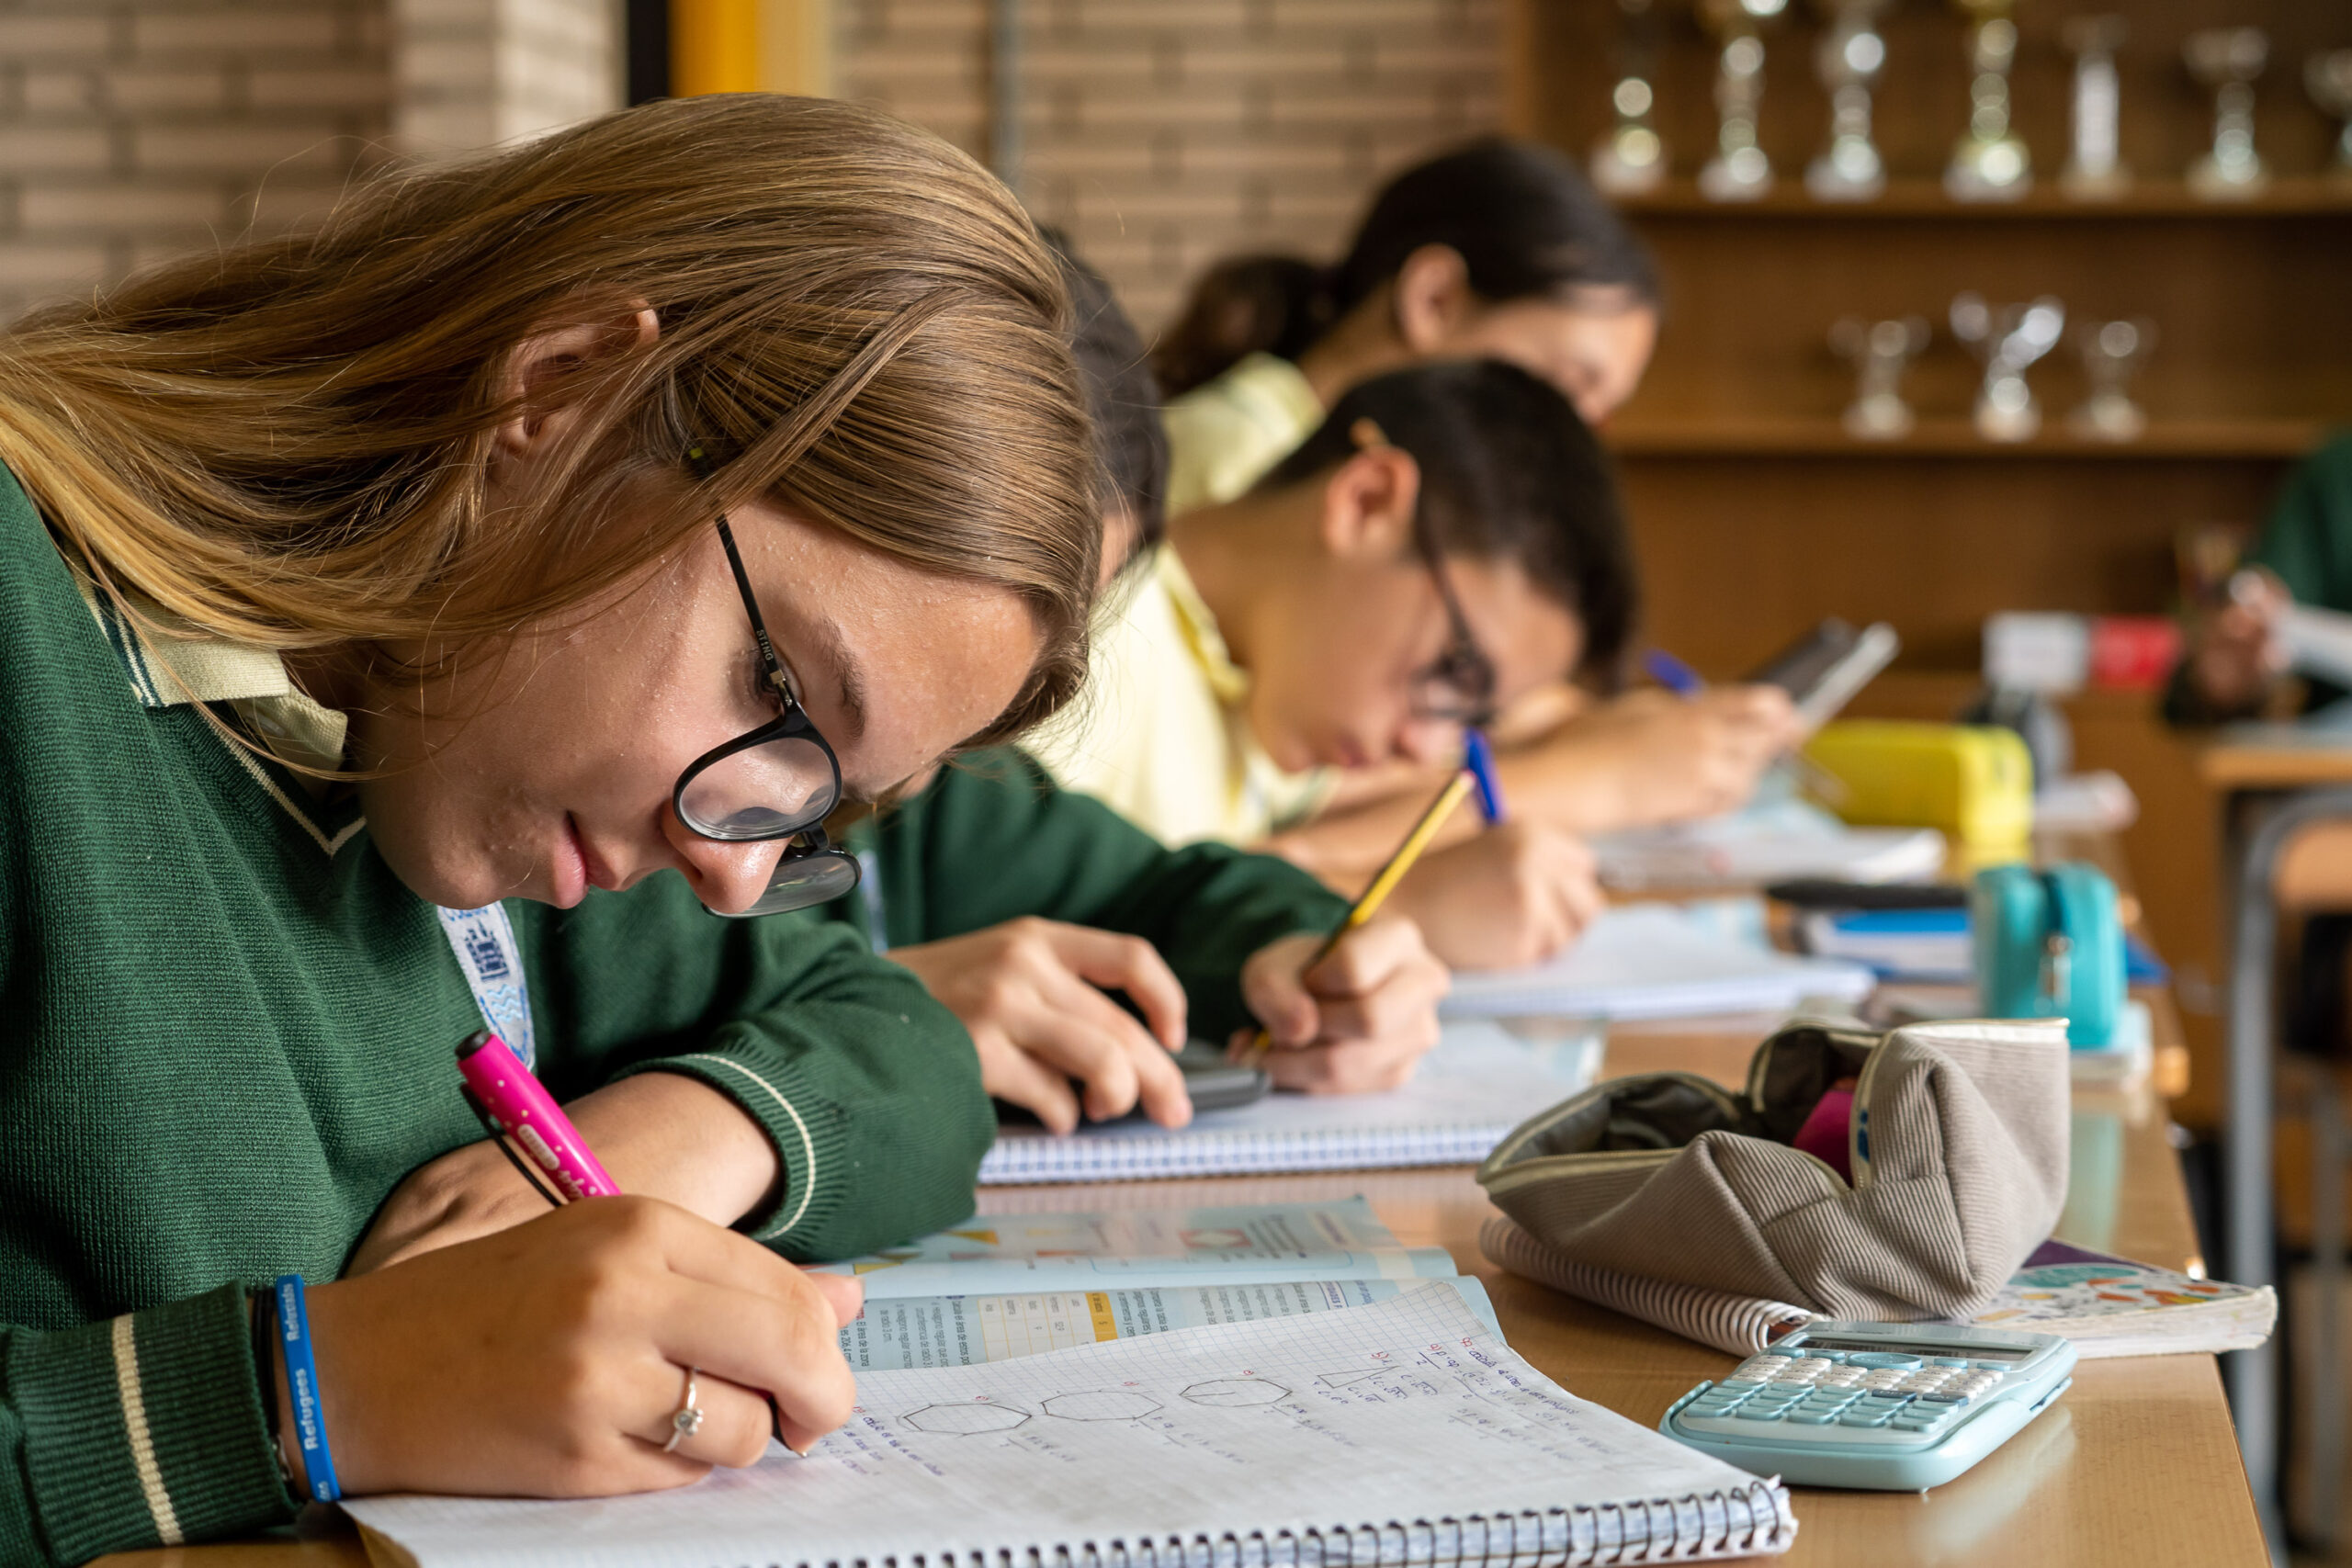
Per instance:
(1515,895)
(1356,1020)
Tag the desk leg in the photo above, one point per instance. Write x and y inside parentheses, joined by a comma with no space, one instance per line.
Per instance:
(2247,1174)
(2325,1455)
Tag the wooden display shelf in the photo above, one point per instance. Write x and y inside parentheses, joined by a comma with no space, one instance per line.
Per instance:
(2262,440)
(2299,196)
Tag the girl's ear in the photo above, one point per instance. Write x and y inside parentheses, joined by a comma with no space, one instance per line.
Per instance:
(1431,299)
(1369,503)
(544,367)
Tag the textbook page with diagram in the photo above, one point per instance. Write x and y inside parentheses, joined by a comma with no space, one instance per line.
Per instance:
(1479,1083)
(1398,1433)
(1013,1285)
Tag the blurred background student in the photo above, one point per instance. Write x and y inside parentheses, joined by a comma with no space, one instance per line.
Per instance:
(1499,248)
(1447,541)
(2303,556)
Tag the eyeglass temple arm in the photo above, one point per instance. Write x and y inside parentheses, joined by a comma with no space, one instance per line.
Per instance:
(776,676)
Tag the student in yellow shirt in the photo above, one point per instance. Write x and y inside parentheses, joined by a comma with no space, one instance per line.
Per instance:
(1447,541)
(1499,249)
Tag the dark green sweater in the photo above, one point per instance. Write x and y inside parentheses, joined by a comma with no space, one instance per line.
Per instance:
(994,838)
(222,1044)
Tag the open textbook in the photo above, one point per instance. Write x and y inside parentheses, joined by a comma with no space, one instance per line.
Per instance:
(1479,1083)
(1022,1284)
(2107,1306)
(1397,1433)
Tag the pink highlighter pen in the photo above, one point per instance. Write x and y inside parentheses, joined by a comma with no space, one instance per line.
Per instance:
(529,1127)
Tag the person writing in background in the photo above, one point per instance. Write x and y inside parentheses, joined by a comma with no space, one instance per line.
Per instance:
(1499,248)
(1024,907)
(1446,542)
(327,599)
(2303,556)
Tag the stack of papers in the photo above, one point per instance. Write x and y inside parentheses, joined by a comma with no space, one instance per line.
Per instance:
(1754,848)
(1928,946)
(1650,961)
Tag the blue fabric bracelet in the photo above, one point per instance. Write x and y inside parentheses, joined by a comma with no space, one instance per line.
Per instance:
(302,1388)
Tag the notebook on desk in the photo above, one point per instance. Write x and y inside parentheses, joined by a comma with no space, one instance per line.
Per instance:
(1399,1433)
(1479,1083)
(1650,961)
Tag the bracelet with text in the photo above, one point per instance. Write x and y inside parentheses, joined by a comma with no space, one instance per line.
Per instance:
(302,1387)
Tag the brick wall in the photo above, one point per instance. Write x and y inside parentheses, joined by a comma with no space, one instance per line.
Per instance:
(135,129)
(470,74)
(1166,133)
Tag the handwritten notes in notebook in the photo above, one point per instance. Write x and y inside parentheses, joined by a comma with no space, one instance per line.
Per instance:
(1399,1432)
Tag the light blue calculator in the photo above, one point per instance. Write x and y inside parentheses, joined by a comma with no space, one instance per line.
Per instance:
(1886,1406)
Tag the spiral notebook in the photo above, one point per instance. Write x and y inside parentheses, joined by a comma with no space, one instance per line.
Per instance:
(1398,1433)
(1479,1083)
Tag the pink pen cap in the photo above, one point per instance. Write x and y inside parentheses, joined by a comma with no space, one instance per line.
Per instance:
(523,1113)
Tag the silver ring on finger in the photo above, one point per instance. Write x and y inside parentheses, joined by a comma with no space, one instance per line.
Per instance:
(686,1420)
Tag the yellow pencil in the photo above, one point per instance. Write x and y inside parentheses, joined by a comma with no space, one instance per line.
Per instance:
(1382,885)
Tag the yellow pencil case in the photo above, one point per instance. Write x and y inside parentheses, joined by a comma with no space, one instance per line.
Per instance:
(1974,783)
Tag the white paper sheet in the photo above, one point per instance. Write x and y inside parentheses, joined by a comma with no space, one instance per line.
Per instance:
(1402,1427)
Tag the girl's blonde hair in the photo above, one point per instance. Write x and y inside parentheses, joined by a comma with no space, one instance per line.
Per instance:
(285,444)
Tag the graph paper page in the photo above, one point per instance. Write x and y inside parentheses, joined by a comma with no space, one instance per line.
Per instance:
(1402,1411)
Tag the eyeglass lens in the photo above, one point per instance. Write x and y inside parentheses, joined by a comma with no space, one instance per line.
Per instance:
(766,791)
(802,880)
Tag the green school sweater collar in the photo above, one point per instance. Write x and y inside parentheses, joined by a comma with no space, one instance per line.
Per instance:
(178,666)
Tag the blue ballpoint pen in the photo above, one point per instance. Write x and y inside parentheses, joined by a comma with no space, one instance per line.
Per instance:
(1672,673)
(1480,757)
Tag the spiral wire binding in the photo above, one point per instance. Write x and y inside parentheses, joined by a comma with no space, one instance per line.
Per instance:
(1656,1530)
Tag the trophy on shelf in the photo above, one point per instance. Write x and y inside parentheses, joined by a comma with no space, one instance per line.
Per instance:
(1880,352)
(2112,351)
(2227,60)
(1738,171)
(2328,78)
(1851,55)
(2007,340)
(2094,168)
(1631,159)
(1990,163)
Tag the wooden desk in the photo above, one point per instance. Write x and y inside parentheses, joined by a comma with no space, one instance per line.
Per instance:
(2137,1464)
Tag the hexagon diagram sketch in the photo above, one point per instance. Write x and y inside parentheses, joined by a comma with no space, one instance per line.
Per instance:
(966,1420)
(1232,1392)
(1101,1405)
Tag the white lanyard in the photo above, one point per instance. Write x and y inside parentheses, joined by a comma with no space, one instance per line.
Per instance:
(483,941)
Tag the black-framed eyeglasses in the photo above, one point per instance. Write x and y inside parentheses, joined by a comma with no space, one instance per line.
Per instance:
(780,780)
(1458,686)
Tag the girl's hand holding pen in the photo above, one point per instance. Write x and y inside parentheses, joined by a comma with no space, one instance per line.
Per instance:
(547,1359)
(1356,1021)
(661,1134)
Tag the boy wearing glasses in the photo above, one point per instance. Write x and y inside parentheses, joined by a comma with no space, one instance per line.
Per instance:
(1448,540)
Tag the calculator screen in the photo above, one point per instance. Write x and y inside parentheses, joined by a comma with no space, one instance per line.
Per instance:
(1973,1352)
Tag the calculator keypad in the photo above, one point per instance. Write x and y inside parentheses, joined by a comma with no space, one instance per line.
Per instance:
(1843,1397)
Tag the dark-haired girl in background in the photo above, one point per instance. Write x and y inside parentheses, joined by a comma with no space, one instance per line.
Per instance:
(1500,250)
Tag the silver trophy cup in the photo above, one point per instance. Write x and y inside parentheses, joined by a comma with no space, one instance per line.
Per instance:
(1990,163)
(2328,78)
(2112,351)
(2227,61)
(2094,168)
(2007,340)
(1630,159)
(1880,353)
(1739,170)
(1849,60)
